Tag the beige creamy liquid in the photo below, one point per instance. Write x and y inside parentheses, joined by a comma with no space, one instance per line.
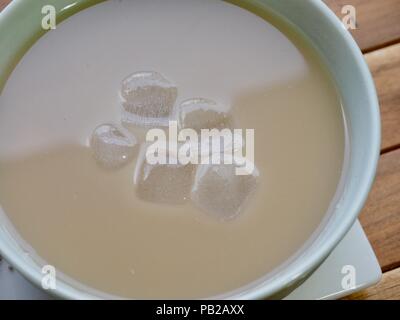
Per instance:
(87,221)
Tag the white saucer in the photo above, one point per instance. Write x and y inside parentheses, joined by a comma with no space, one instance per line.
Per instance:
(325,283)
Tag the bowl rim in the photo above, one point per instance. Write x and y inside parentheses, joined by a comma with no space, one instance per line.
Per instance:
(8,17)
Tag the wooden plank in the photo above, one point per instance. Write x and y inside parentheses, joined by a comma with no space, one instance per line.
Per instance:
(381,215)
(385,67)
(4,3)
(387,289)
(378,21)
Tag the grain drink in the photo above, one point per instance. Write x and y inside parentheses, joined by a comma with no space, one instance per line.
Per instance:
(73,121)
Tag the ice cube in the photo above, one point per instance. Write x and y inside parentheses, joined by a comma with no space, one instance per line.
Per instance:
(162,183)
(148,99)
(221,193)
(199,113)
(112,145)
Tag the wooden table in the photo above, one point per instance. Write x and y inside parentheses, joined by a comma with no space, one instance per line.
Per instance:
(378,35)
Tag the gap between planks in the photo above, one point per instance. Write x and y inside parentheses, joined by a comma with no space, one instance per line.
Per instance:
(380,217)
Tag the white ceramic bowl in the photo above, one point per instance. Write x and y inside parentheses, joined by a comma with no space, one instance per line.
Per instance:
(19,29)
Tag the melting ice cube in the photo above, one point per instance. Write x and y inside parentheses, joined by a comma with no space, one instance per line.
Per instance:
(220,193)
(148,99)
(162,183)
(198,114)
(112,145)
(202,113)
